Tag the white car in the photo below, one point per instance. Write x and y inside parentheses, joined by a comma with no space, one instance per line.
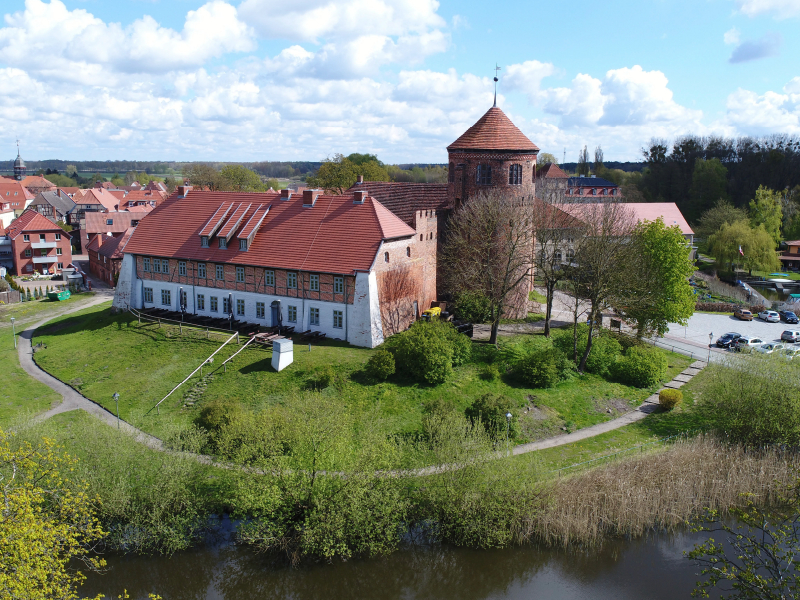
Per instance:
(770,347)
(770,316)
(747,343)
(790,353)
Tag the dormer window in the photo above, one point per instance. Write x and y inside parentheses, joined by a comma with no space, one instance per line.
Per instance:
(243,245)
(109,221)
(204,241)
(223,243)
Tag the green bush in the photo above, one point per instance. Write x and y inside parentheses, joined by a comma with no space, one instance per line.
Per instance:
(605,352)
(511,353)
(544,368)
(428,351)
(326,377)
(669,398)
(218,413)
(640,367)
(380,365)
(490,373)
(473,307)
(491,411)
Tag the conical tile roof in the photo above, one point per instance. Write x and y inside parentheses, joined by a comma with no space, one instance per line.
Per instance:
(493,131)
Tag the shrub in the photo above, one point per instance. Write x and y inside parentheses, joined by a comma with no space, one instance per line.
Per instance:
(669,398)
(381,364)
(543,368)
(605,351)
(511,353)
(428,351)
(490,373)
(218,413)
(640,367)
(326,377)
(491,411)
(473,307)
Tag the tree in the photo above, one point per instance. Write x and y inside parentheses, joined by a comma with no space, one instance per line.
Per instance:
(488,249)
(203,176)
(709,185)
(766,210)
(583,162)
(791,213)
(714,218)
(46,523)
(130,177)
(598,159)
(545,157)
(600,275)
(97,177)
(71,170)
(397,289)
(337,174)
(757,247)
(360,159)
(237,178)
(656,290)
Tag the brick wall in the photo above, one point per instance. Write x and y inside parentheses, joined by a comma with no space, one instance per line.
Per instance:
(464,167)
(24,265)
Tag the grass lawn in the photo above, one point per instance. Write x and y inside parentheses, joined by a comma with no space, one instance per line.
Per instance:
(27,312)
(766,274)
(21,396)
(100,354)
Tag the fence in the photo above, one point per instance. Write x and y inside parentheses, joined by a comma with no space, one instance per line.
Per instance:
(9,297)
(181,325)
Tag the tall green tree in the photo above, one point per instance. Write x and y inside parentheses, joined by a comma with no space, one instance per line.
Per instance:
(203,176)
(714,218)
(766,210)
(656,291)
(757,247)
(709,184)
(337,174)
(583,162)
(237,178)
(546,157)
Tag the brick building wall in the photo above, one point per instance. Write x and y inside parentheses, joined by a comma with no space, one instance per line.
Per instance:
(25,249)
(464,182)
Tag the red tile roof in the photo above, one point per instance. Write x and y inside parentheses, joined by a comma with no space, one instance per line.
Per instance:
(333,236)
(642,211)
(404,199)
(69,190)
(37,181)
(9,188)
(113,246)
(98,196)
(31,220)
(493,131)
(97,222)
(552,171)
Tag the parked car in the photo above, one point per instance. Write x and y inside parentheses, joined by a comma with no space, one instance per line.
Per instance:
(769,347)
(725,341)
(770,316)
(789,317)
(743,315)
(747,343)
(790,335)
(790,353)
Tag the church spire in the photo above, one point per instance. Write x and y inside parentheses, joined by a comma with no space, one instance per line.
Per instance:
(20,169)
(496,70)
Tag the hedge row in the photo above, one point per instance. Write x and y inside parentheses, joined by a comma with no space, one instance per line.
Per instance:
(726,307)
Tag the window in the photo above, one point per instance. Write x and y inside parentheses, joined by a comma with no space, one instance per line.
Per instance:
(201,302)
(420,237)
(28,252)
(594,191)
(515,175)
(60,265)
(292,314)
(104,260)
(181,267)
(223,243)
(226,306)
(313,283)
(239,274)
(29,267)
(558,255)
(58,237)
(164,265)
(385,257)
(259,310)
(201,270)
(242,244)
(42,237)
(204,241)
(408,250)
(134,223)
(240,308)
(43,252)
(166,298)
(220,272)
(214,304)
(26,237)
(451,173)
(603,192)
(58,251)
(484,175)
(156,265)
(338,319)
(613,192)
(148,294)
(146,264)
(269,277)
(183,302)
(313,316)
(291,280)
(338,285)
(570,254)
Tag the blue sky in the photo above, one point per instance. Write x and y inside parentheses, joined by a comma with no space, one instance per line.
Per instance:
(270,80)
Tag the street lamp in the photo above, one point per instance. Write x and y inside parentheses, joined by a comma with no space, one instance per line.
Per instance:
(508,424)
(14,332)
(116,399)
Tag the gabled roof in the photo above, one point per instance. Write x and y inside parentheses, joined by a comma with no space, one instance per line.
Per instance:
(69,190)
(113,246)
(494,131)
(31,220)
(97,222)
(98,196)
(11,187)
(642,211)
(404,199)
(333,236)
(590,182)
(37,181)
(551,171)
(59,201)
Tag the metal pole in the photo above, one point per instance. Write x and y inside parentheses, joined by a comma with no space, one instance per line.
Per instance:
(116,399)
(508,423)
(14,332)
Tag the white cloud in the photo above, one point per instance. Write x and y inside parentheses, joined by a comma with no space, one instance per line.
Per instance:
(780,9)
(770,112)
(527,77)
(768,45)
(580,104)
(731,36)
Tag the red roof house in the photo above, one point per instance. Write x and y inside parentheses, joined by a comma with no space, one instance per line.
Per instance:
(38,245)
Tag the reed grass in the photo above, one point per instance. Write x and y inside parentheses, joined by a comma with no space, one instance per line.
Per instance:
(657,491)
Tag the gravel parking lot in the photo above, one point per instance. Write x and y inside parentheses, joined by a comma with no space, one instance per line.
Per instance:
(701,324)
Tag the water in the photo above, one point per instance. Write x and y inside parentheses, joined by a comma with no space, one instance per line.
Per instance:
(623,570)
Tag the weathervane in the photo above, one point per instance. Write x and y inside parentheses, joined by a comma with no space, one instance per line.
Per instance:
(497,69)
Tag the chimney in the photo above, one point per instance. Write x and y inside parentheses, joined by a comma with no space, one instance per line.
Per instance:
(183,190)
(310,197)
(116,207)
(286,194)
(360,180)
(99,238)
(358,196)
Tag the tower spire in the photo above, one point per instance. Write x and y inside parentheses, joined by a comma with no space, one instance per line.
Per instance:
(496,71)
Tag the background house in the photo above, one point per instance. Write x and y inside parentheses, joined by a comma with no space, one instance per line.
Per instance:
(38,245)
